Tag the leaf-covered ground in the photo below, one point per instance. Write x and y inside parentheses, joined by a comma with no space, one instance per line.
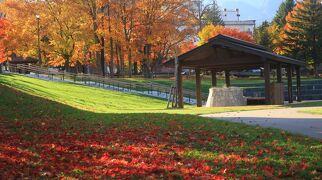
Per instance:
(46,139)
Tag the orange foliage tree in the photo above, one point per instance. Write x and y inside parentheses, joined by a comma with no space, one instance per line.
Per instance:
(79,32)
(4,24)
(211,31)
(303,34)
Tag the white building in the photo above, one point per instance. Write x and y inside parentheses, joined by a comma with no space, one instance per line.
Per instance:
(231,20)
(244,26)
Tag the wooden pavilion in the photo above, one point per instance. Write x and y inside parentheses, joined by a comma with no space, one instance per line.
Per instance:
(223,53)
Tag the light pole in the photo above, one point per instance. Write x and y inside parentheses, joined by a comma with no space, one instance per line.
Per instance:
(38,31)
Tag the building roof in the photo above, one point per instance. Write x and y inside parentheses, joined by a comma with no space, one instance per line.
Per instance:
(248,22)
(227,53)
(20,60)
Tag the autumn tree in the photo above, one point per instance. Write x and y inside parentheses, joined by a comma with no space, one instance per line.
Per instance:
(21,36)
(128,13)
(276,29)
(283,10)
(165,24)
(62,30)
(66,33)
(277,35)
(303,32)
(97,12)
(81,32)
(3,38)
(211,31)
(262,35)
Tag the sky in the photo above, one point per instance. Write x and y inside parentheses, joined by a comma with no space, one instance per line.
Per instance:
(259,10)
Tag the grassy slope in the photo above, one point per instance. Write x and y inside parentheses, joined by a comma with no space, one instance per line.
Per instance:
(104,101)
(222,146)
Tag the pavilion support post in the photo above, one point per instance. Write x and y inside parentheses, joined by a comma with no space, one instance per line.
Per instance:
(298,83)
(198,88)
(289,82)
(214,78)
(179,83)
(279,73)
(267,70)
(227,78)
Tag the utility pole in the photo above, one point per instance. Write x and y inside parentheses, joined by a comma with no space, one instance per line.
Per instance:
(238,14)
(38,31)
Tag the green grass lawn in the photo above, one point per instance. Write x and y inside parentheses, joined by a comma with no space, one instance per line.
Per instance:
(309,104)
(313,111)
(104,101)
(61,130)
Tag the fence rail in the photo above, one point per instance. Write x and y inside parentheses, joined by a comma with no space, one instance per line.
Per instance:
(152,89)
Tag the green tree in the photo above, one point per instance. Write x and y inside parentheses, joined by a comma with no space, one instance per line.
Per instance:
(213,14)
(283,10)
(303,32)
(262,35)
(276,29)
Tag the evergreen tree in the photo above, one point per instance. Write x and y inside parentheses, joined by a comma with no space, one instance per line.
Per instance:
(213,14)
(276,29)
(303,32)
(262,35)
(283,10)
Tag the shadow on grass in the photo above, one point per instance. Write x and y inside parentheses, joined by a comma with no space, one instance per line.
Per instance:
(45,138)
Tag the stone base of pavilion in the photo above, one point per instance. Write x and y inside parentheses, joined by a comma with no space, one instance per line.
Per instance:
(226,96)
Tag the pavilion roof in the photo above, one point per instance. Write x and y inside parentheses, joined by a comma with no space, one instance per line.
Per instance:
(227,53)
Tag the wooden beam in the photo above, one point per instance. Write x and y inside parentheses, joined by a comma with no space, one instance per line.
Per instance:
(214,78)
(298,83)
(198,88)
(227,78)
(289,82)
(279,73)
(213,61)
(267,70)
(179,83)
(220,68)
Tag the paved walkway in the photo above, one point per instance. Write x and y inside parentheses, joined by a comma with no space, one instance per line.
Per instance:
(288,119)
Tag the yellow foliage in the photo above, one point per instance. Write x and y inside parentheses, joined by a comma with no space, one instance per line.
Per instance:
(208,32)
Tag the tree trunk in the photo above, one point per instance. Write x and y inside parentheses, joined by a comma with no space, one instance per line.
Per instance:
(66,65)
(122,61)
(146,69)
(316,70)
(135,68)
(130,62)
(6,65)
(103,56)
(117,54)
(85,61)
(0,68)
(112,58)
